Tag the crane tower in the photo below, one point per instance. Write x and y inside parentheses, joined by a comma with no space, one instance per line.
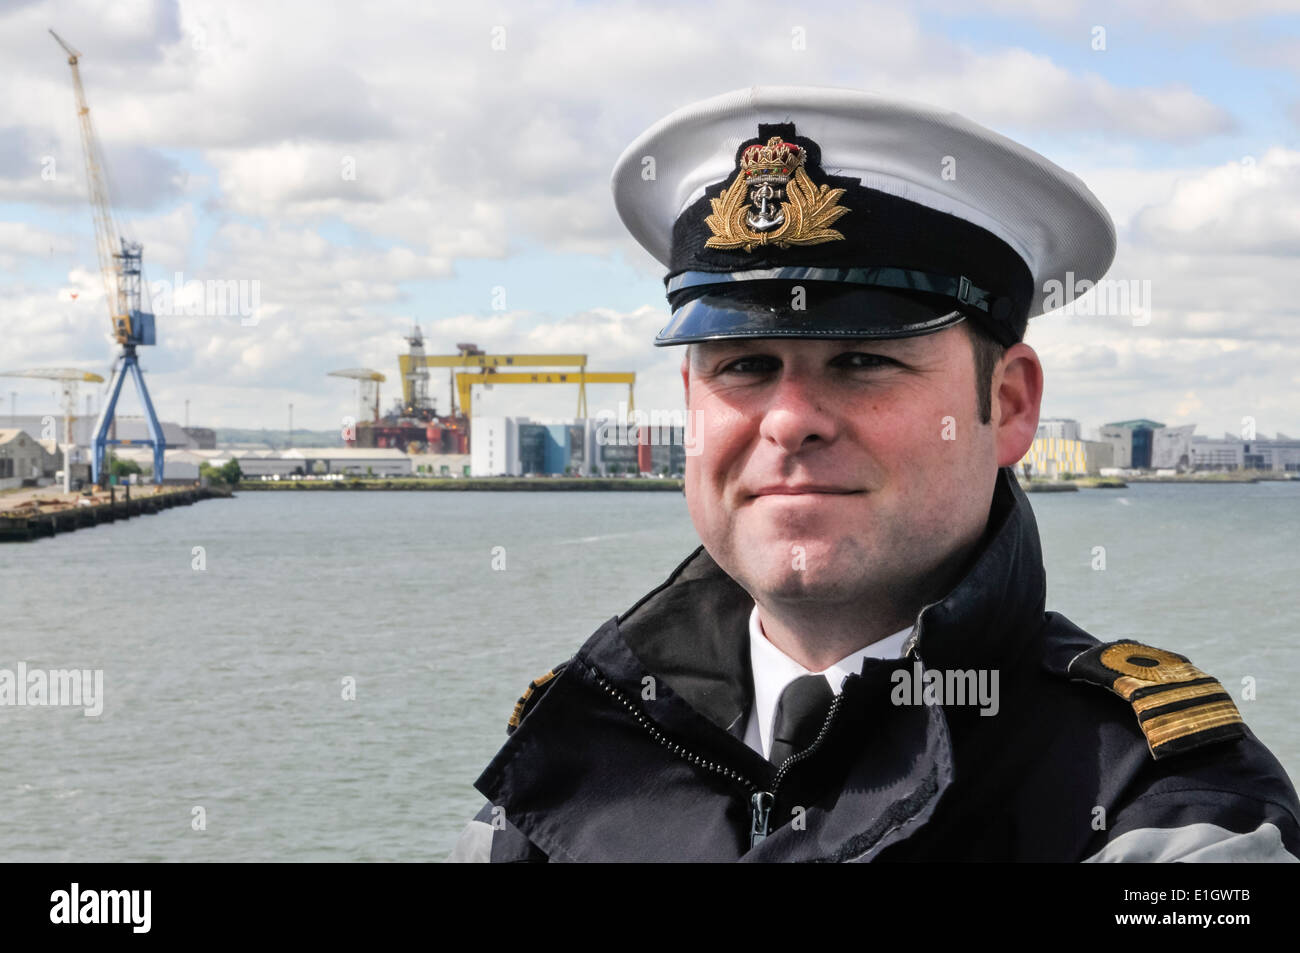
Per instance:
(121,264)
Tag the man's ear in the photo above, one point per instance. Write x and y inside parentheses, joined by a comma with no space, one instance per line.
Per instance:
(1017,396)
(686,375)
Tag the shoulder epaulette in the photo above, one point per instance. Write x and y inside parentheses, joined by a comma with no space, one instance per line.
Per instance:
(530,697)
(1178,706)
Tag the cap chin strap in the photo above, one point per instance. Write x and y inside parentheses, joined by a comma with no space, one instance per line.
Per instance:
(902,279)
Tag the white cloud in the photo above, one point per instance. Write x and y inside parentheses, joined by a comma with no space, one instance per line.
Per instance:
(1249,207)
(461,152)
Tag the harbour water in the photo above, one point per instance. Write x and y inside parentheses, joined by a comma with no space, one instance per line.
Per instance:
(227,633)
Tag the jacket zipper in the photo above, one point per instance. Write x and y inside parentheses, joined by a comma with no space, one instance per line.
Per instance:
(635,710)
(760,801)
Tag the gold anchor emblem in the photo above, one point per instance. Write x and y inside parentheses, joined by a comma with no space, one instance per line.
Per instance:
(747,214)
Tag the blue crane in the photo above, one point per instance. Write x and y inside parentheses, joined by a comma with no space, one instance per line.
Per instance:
(121,262)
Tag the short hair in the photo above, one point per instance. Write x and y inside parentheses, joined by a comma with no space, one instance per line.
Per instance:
(987,352)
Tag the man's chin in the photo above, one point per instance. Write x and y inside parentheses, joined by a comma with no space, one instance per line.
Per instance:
(790,584)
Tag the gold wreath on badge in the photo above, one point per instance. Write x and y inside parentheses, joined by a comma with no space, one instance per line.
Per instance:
(772,201)
(1148,664)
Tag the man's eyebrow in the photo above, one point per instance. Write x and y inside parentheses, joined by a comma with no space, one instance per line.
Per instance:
(708,351)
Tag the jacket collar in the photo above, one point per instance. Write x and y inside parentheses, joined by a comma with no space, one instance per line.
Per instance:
(692,631)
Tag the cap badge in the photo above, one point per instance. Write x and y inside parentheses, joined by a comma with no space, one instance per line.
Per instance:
(772,201)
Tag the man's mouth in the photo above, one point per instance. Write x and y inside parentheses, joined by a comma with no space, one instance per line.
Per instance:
(804,489)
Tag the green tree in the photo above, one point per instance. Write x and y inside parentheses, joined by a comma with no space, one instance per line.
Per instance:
(121,468)
(229,473)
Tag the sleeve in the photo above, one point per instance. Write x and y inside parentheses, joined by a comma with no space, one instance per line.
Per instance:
(1202,826)
(490,839)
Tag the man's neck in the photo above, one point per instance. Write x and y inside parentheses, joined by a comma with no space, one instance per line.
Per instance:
(817,634)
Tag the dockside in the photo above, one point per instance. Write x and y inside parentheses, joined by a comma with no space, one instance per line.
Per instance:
(21,526)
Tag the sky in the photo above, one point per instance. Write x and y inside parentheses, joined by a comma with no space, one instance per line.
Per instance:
(357,168)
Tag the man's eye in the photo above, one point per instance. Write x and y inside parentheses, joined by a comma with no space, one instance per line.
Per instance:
(751,365)
(858,359)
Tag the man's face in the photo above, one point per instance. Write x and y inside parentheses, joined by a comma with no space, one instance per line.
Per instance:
(837,471)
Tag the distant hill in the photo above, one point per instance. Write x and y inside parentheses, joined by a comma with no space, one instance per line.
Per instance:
(278,439)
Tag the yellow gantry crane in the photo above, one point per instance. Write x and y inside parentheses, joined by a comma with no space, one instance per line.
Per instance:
(465,382)
(414,367)
(486,362)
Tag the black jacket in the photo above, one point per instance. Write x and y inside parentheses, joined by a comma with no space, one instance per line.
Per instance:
(633,749)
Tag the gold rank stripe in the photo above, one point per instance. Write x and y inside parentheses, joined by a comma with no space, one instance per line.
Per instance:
(1126,685)
(535,684)
(1179,724)
(1168,697)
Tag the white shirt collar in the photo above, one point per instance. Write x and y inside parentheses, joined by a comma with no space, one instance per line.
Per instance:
(774,670)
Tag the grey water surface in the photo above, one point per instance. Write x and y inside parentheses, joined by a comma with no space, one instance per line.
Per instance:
(224,686)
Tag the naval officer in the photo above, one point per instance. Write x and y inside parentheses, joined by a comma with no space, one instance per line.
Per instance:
(857,663)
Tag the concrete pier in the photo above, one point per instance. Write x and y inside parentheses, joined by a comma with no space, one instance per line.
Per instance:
(23,525)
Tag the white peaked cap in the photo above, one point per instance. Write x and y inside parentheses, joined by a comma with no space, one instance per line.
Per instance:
(929,156)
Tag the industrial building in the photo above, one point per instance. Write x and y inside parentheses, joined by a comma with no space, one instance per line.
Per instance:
(440,464)
(1146,444)
(23,460)
(135,447)
(1058,428)
(1229,452)
(181,466)
(1131,441)
(284,464)
(202,438)
(1213,453)
(1149,445)
(1171,448)
(1059,449)
(314,461)
(519,446)
(128,429)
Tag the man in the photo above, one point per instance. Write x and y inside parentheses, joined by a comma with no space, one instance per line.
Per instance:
(857,664)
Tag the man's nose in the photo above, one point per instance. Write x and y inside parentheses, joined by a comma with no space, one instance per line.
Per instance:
(799,415)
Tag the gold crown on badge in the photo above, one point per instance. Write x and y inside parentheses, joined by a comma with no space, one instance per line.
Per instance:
(772,201)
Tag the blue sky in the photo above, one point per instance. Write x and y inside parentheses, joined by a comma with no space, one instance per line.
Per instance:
(227,124)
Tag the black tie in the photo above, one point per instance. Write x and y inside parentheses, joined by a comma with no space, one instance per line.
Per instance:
(800,714)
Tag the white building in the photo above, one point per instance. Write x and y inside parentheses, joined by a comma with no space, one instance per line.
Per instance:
(1171,448)
(1282,453)
(1058,428)
(315,461)
(494,446)
(22,458)
(576,446)
(1211,453)
(179,466)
